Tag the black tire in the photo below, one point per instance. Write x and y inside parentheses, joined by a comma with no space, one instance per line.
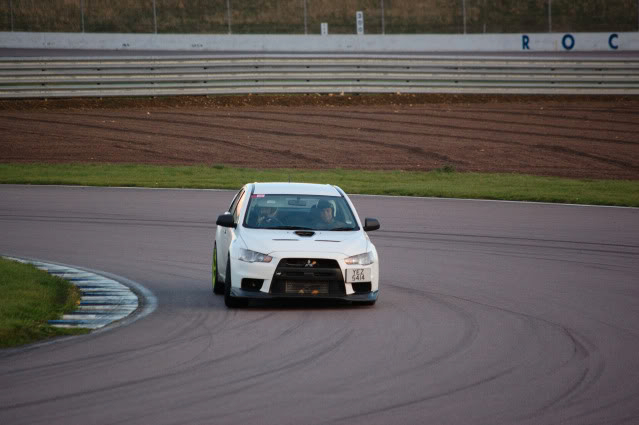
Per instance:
(218,285)
(230,301)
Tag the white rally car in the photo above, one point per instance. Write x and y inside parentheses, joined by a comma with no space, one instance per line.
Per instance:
(292,240)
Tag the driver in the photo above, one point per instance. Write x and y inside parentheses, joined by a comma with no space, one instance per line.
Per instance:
(266,215)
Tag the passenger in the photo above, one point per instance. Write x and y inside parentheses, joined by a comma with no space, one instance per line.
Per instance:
(327,216)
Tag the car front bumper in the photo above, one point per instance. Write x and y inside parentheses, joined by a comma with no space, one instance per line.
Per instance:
(265,272)
(359,297)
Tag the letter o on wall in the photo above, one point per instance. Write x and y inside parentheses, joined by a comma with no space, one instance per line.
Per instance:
(612,38)
(568,42)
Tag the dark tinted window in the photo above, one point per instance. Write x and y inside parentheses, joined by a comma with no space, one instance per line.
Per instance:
(299,212)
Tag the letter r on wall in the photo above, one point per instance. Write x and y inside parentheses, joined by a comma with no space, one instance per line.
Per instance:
(524,42)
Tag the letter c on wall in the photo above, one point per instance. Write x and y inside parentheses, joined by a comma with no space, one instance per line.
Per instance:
(568,42)
(612,38)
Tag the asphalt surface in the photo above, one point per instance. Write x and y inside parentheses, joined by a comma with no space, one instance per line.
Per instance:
(489,313)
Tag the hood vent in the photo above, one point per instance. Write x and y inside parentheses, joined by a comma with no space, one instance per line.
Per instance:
(305,233)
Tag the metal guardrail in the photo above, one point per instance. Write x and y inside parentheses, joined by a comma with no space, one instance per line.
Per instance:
(198,75)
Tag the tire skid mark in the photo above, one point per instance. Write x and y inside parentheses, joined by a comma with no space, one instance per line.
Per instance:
(301,362)
(468,235)
(583,352)
(195,361)
(592,411)
(222,390)
(282,367)
(98,361)
(116,387)
(471,326)
(590,374)
(259,318)
(104,359)
(420,400)
(107,221)
(476,240)
(510,254)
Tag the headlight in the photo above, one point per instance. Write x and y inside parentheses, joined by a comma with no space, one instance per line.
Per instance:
(361,259)
(254,257)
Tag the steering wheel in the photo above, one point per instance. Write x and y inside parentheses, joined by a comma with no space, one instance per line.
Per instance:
(272,221)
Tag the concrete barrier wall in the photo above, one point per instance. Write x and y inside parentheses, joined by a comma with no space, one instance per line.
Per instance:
(544,42)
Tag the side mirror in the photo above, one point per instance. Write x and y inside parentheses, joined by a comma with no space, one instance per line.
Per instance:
(371,224)
(226,220)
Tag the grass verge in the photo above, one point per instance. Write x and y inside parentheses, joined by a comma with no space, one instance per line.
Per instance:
(29,298)
(440,183)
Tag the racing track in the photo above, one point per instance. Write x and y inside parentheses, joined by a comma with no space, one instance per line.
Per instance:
(489,313)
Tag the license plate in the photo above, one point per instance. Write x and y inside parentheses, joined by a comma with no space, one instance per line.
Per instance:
(358,275)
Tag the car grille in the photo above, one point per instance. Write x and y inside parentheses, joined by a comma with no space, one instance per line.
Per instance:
(308,277)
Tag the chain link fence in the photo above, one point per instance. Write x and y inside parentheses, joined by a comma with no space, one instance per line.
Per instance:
(306,16)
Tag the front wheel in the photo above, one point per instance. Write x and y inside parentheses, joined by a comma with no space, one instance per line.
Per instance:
(229,300)
(218,284)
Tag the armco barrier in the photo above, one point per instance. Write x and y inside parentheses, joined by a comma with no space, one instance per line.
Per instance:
(192,75)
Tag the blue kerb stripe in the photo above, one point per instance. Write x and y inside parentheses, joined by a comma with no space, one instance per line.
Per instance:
(106,303)
(122,300)
(70,322)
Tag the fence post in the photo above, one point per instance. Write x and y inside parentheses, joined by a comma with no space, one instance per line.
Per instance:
(483,14)
(228,14)
(549,15)
(11,13)
(82,13)
(305,20)
(382,5)
(464,13)
(155,19)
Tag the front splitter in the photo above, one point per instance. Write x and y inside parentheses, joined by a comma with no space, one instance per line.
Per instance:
(241,293)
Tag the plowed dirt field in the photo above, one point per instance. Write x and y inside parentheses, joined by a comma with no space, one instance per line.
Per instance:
(569,137)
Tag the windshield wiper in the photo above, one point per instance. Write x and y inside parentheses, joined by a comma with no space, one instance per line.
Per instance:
(342,229)
(288,228)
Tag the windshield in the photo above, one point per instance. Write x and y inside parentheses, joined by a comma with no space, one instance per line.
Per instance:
(299,212)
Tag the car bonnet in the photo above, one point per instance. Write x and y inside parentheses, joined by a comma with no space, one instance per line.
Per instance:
(272,241)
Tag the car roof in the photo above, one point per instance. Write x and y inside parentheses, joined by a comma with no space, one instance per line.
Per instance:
(295,189)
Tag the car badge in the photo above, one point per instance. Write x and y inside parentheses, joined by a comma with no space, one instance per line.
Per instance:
(310,263)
